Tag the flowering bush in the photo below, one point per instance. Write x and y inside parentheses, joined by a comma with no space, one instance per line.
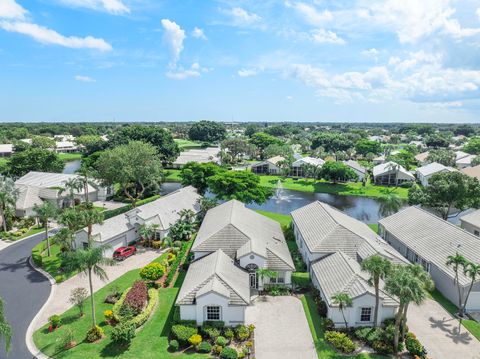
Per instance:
(195,339)
(95,333)
(152,271)
(108,314)
(137,296)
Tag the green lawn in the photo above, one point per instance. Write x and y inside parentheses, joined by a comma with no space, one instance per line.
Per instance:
(172,176)
(349,188)
(283,219)
(471,325)
(374,227)
(69,156)
(187,144)
(31,232)
(324,350)
(51,264)
(150,342)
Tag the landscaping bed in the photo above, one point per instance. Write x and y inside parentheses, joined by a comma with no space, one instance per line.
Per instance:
(21,233)
(51,264)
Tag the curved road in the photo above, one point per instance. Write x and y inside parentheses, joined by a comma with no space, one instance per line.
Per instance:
(24,291)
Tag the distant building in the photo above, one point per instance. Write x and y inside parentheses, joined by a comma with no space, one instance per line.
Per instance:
(269,166)
(471,222)
(424,173)
(66,147)
(391,174)
(298,166)
(473,172)
(201,155)
(422,158)
(464,161)
(6,150)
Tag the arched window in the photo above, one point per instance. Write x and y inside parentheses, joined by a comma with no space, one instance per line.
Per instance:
(251,267)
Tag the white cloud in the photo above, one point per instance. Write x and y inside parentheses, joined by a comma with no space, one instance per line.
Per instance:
(324,36)
(310,13)
(174,36)
(115,7)
(289,98)
(247,72)
(181,74)
(242,18)
(47,36)
(9,9)
(373,52)
(84,79)
(198,33)
(478,12)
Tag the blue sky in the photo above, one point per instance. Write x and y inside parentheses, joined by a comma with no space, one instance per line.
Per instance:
(311,60)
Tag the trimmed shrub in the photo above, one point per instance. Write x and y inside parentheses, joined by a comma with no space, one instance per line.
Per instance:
(413,345)
(156,244)
(369,335)
(182,333)
(340,341)
(108,314)
(204,347)
(228,353)
(222,341)
(210,332)
(95,333)
(177,244)
(217,349)
(195,339)
(229,334)
(173,269)
(123,333)
(152,272)
(241,332)
(173,345)
(137,296)
(55,321)
(140,319)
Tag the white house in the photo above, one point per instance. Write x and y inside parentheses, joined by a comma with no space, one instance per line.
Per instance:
(339,273)
(471,222)
(215,288)
(360,171)
(299,164)
(391,174)
(6,150)
(464,161)
(269,166)
(379,160)
(428,240)
(321,230)
(121,230)
(198,155)
(66,147)
(36,187)
(251,239)
(424,173)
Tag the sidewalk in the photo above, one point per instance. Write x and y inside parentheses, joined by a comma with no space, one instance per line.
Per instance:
(60,303)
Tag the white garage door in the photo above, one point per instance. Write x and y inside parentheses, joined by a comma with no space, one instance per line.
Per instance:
(116,243)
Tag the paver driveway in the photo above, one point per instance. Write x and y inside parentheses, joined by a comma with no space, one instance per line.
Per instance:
(439,332)
(281,329)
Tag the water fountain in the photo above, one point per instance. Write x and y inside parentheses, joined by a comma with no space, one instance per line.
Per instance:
(279,190)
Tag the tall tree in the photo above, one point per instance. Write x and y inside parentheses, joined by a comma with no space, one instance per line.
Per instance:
(90,262)
(378,268)
(135,166)
(457,261)
(262,140)
(344,301)
(89,217)
(207,131)
(8,198)
(365,146)
(5,328)
(45,212)
(196,174)
(332,142)
(34,159)
(237,147)
(473,146)
(46,143)
(337,171)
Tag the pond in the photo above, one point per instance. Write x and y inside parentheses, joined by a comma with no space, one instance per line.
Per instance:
(72,166)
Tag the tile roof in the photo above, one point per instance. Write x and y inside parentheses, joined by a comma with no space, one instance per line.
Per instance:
(387,167)
(356,166)
(472,218)
(308,160)
(422,157)
(238,230)
(327,230)
(432,168)
(48,180)
(203,155)
(216,273)
(472,171)
(28,196)
(339,273)
(432,238)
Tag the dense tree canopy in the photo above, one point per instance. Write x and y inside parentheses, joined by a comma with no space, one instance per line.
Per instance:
(279,150)
(238,147)
(332,142)
(251,129)
(447,191)
(464,130)
(91,143)
(444,156)
(263,140)
(197,174)
(337,171)
(207,131)
(43,142)
(135,166)
(240,185)
(34,159)
(365,146)
(158,137)
(435,140)
(473,146)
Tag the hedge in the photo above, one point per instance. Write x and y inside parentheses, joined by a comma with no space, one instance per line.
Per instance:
(301,279)
(115,212)
(173,269)
(140,319)
(118,304)
(37,253)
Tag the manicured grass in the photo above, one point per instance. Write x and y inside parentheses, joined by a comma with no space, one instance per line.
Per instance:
(283,219)
(472,326)
(374,227)
(150,342)
(69,156)
(349,188)
(51,264)
(31,232)
(324,350)
(172,176)
(187,144)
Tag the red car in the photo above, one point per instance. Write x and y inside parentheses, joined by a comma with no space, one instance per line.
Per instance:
(124,252)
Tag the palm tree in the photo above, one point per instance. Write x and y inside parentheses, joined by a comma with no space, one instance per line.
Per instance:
(89,217)
(64,238)
(146,232)
(73,186)
(45,212)
(263,273)
(456,262)
(85,179)
(71,218)
(343,300)
(88,261)
(378,267)
(8,198)
(390,204)
(472,270)
(5,328)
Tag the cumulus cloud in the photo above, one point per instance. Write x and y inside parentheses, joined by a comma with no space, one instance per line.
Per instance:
(174,36)
(310,13)
(9,9)
(324,36)
(115,7)
(247,72)
(242,18)
(198,33)
(84,78)
(373,52)
(181,74)
(47,36)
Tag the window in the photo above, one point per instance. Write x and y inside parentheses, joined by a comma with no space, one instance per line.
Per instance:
(213,313)
(158,235)
(477,233)
(366,315)
(85,245)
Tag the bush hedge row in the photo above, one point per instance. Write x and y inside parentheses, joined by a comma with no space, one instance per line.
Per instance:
(140,319)
(115,212)
(173,268)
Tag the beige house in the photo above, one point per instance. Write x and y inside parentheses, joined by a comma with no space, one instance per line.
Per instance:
(391,174)
(473,172)
(471,222)
(268,167)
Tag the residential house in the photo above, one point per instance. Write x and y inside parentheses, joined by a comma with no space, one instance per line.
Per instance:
(465,161)
(121,230)
(471,222)
(298,167)
(339,273)
(391,174)
(6,150)
(428,240)
(424,173)
(251,239)
(269,166)
(473,172)
(201,155)
(360,171)
(422,158)
(36,187)
(379,160)
(215,288)
(66,147)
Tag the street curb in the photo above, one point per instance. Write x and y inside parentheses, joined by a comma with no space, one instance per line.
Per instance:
(31,328)
(10,244)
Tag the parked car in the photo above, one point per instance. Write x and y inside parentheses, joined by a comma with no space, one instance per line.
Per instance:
(124,252)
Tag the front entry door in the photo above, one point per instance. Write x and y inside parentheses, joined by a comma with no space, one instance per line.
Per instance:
(253,281)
